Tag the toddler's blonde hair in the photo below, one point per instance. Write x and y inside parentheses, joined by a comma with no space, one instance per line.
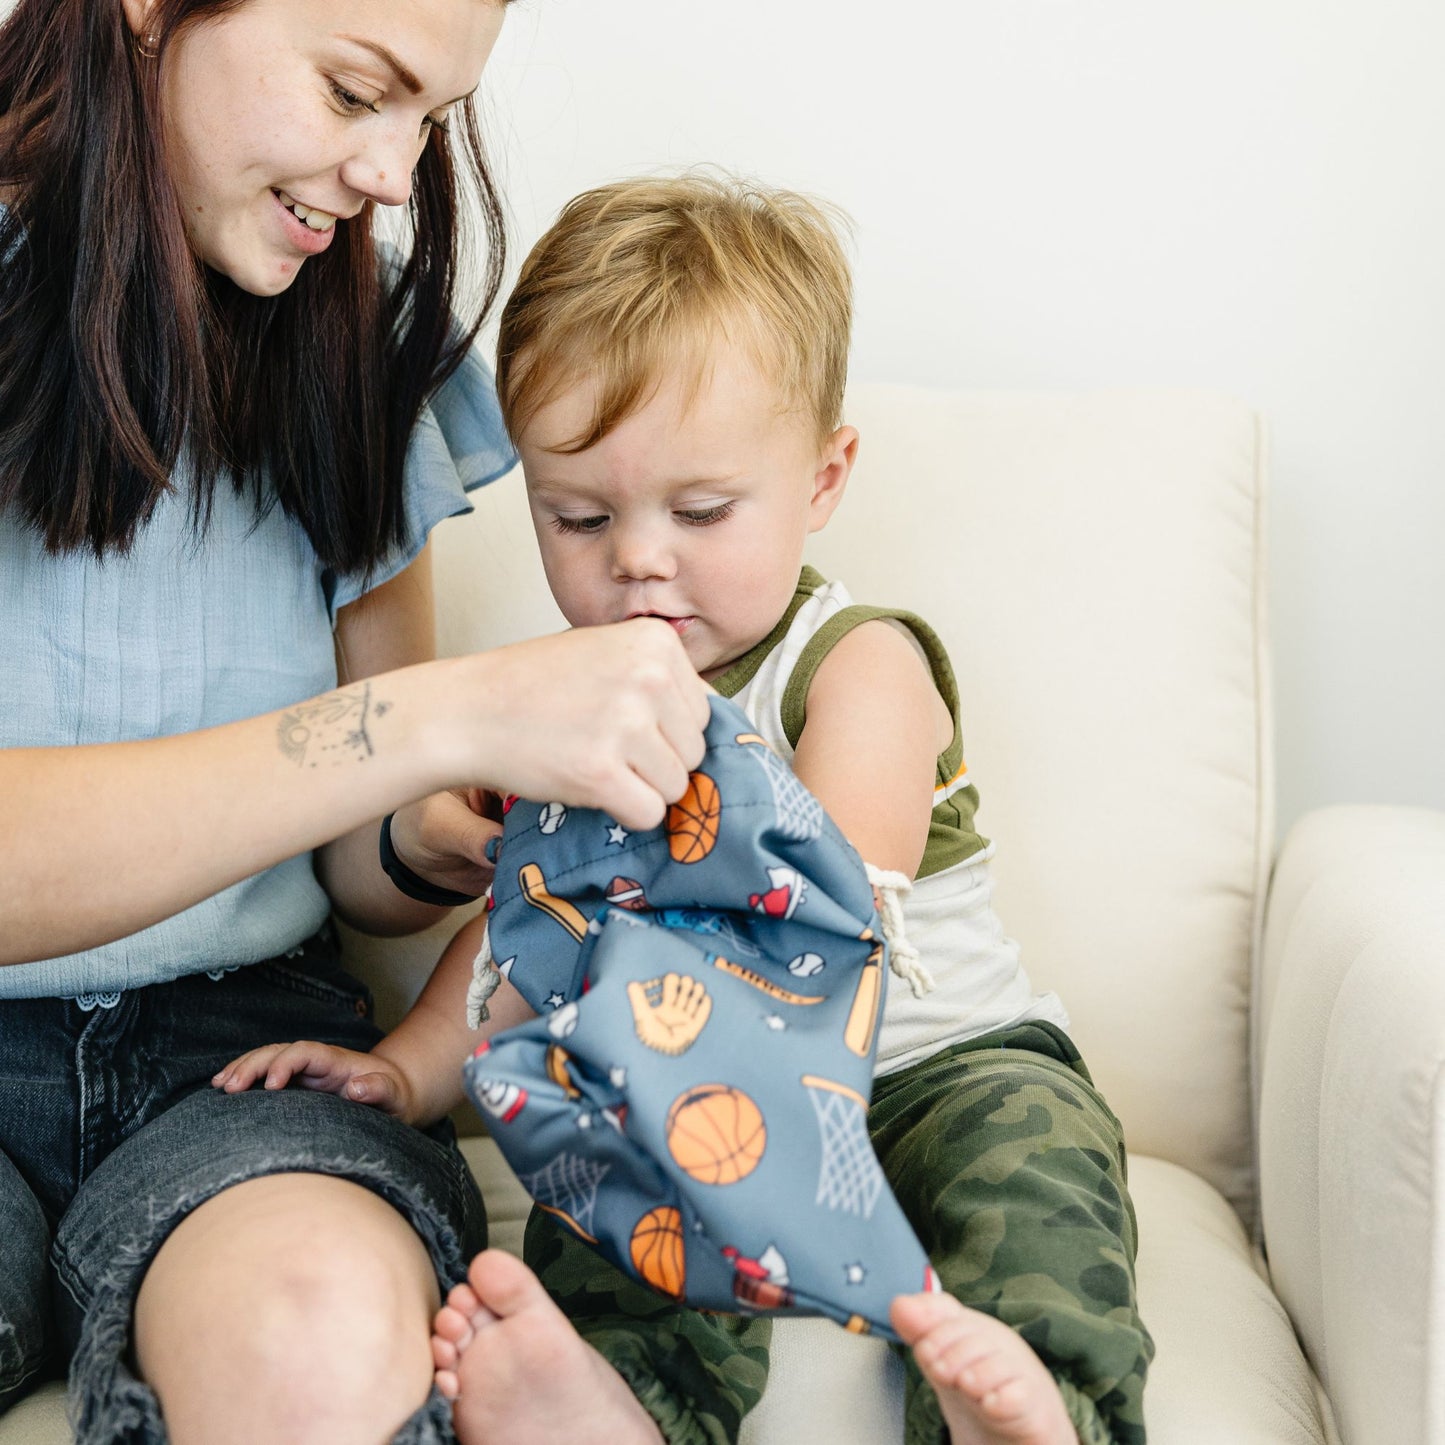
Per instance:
(641,277)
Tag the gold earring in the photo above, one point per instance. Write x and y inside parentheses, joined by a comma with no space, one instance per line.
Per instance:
(148,48)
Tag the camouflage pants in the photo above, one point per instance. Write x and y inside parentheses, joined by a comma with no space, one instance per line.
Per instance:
(1011,1169)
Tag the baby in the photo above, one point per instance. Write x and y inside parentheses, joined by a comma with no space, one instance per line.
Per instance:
(671,368)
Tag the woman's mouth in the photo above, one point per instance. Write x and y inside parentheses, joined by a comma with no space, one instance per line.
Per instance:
(310,230)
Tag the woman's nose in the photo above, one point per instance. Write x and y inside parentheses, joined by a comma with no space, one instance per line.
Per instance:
(381,168)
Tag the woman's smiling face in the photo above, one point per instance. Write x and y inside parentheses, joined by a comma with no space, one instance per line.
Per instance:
(285,106)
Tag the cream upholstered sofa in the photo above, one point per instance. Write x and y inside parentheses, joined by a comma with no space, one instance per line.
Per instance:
(1096,564)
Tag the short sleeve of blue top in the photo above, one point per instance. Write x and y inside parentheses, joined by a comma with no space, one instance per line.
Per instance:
(189,631)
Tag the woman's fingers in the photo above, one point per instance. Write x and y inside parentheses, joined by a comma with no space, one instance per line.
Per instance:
(607,717)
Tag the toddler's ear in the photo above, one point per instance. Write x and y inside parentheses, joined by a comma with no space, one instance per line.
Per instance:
(835,465)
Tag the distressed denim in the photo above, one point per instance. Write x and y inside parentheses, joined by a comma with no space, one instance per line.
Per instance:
(110,1134)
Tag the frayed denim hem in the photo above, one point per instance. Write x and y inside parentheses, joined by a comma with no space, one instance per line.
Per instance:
(108,1405)
(431,1425)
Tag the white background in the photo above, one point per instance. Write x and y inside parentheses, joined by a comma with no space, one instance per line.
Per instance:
(1247,195)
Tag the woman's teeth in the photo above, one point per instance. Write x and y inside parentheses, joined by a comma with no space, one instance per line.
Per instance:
(317,220)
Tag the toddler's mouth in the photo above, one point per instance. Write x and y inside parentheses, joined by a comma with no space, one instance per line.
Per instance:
(678,624)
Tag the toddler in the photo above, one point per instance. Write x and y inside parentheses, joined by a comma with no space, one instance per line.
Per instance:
(671,368)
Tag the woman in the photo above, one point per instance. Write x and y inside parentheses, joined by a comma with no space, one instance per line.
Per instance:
(228,421)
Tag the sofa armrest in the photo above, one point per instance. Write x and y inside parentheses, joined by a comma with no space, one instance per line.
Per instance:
(1350,1016)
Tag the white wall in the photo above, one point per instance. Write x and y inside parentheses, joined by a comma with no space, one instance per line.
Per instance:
(1240,194)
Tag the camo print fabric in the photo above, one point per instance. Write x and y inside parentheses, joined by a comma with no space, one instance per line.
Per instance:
(1012,1170)
(692,1099)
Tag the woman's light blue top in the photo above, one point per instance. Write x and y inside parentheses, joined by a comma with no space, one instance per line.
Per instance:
(189,631)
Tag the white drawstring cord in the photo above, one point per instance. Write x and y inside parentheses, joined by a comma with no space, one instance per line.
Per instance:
(486,980)
(904,959)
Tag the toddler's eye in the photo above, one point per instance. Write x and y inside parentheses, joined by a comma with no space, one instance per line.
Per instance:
(706,516)
(579,524)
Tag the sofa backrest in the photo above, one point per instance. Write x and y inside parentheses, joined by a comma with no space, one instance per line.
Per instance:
(1094,563)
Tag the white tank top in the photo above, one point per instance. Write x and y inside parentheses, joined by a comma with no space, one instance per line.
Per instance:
(979,983)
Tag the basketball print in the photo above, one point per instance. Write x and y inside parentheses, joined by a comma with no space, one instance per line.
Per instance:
(657,1251)
(692,821)
(716,1134)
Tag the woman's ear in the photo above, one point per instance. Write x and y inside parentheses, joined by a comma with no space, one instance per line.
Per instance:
(140,16)
(835,466)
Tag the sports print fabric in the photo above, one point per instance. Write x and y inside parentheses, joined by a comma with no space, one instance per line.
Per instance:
(692,1099)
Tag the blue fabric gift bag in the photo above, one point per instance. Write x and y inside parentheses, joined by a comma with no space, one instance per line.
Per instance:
(692,1099)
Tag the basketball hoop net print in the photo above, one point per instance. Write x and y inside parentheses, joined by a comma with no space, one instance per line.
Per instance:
(567,1187)
(849,1176)
(799,813)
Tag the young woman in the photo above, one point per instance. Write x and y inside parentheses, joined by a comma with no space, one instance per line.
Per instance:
(229,419)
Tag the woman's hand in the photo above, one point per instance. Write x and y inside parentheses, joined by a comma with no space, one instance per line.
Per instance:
(607,717)
(365,1078)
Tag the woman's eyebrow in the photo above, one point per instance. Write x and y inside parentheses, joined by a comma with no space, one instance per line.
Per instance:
(395,64)
(390,59)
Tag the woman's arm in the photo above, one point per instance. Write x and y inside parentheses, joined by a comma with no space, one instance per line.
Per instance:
(869,748)
(99,841)
(394,626)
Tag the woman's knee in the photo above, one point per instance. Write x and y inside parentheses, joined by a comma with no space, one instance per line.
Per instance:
(284,1297)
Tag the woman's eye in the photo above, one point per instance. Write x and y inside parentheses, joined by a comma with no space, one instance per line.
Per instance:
(579,524)
(706,516)
(349,101)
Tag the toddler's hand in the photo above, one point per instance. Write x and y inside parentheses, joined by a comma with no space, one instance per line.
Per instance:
(365,1078)
(443,838)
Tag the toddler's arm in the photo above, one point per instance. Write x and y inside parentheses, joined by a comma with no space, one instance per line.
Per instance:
(415,1072)
(869,747)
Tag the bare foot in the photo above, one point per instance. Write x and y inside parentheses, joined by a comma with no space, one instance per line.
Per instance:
(516,1371)
(991,1386)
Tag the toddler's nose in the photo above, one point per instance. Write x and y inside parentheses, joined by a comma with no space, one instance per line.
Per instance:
(641,554)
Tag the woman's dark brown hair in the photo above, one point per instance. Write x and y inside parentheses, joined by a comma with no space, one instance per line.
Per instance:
(120,353)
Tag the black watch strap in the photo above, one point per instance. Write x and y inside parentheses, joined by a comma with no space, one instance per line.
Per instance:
(411,883)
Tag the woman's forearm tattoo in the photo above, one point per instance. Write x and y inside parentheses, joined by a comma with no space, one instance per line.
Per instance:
(331,730)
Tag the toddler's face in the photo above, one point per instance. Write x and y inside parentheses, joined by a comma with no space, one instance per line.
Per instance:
(694,514)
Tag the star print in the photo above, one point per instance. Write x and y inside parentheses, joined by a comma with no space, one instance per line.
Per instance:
(776,1022)
(505,966)
(618,1075)
(854,1273)
(617,834)
(555,1000)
